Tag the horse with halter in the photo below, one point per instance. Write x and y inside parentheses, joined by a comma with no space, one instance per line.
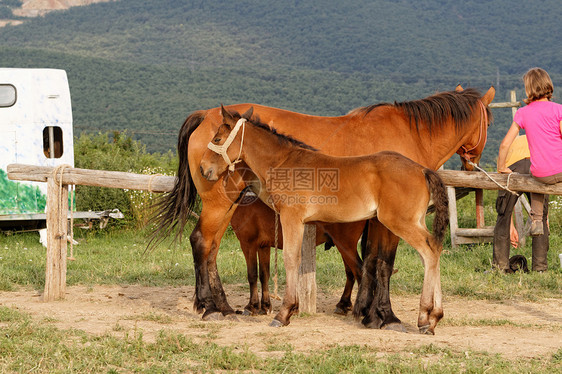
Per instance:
(428,131)
(307,186)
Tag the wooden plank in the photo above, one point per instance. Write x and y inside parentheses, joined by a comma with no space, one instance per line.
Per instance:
(155,183)
(512,104)
(55,271)
(307,272)
(467,232)
(473,239)
(478,179)
(98,178)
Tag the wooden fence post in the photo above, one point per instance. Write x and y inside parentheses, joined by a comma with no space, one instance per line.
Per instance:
(479,200)
(57,227)
(453,222)
(306,289)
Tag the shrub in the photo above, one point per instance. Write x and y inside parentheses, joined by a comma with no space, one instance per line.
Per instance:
(117,152)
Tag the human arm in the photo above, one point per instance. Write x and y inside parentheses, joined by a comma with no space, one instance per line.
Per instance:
(504,147)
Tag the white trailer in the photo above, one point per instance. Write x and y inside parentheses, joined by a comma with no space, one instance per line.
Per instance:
(35,128)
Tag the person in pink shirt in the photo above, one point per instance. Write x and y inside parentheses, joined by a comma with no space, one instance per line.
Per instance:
(542,121)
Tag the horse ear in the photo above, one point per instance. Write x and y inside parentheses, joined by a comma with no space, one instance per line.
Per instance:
(489,96)
(225,114)
(459,88)
(248,113)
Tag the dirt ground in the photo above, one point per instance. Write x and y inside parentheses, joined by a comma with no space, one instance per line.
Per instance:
(532,330)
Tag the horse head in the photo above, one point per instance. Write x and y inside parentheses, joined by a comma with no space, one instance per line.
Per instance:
(225,146)
(471,150)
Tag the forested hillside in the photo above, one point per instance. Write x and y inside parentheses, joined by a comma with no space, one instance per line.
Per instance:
(145,65)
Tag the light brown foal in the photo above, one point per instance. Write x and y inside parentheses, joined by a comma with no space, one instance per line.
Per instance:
(307,186)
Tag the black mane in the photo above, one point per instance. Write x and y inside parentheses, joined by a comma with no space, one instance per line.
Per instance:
(437,109)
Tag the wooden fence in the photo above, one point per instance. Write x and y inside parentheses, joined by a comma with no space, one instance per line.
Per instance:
(59,178)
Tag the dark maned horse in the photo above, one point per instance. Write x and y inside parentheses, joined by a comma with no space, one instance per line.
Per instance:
(429,131)
(385,185)
(254,225)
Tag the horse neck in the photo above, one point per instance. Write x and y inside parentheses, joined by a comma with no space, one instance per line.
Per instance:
(262,150)
(442,145)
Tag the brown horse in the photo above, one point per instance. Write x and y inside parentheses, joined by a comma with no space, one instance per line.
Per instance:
(429,131)
(307,186)
(253,223)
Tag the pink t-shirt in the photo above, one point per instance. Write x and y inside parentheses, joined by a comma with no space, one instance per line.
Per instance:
(541,121)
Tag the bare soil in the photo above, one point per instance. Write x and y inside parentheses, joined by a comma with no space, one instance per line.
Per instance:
(513,329)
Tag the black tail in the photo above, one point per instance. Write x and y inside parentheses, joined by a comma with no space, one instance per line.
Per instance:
(174,208)
(440,202)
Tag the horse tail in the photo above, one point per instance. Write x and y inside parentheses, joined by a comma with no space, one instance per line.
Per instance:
(440,203)
(174,208)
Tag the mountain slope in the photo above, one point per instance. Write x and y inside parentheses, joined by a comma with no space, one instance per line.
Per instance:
(145,65)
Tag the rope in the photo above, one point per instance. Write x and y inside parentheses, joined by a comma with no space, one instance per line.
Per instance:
(275,282)
(150,181)
(221,149)
(506,187)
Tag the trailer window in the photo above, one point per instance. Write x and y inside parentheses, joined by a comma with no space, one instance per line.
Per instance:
(52,142)
(7,95)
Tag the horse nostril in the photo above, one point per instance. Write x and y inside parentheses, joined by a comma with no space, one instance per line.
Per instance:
(201,170)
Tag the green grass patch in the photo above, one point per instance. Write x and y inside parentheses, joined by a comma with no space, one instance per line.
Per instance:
(117,256)
(26,346)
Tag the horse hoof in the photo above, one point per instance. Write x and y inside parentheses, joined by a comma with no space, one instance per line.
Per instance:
(246,312)
(276,323)
(340,312)
(398,327)
(213,316)
(425,330)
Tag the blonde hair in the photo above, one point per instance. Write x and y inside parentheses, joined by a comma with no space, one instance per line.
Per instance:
(538,85)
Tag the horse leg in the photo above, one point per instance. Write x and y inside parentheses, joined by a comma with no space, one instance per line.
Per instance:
(250,254)
(431,308)
(344,305)
(431,303)
(205,240)
(264,254)
(293,232)
(373,297)
(345,238)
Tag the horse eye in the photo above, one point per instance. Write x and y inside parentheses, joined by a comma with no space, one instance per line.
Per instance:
(216,140)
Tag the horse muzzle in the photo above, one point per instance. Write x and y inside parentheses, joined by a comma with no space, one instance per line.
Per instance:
(208,174)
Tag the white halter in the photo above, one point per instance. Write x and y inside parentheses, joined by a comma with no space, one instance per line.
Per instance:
(221,149)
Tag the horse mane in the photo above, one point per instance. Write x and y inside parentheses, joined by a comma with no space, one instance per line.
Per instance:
(283,138)
(436,110)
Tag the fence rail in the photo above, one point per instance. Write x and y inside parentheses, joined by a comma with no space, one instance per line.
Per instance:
(59,178)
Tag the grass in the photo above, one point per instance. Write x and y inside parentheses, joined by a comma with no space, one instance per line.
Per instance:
(116,256)
(26,346)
